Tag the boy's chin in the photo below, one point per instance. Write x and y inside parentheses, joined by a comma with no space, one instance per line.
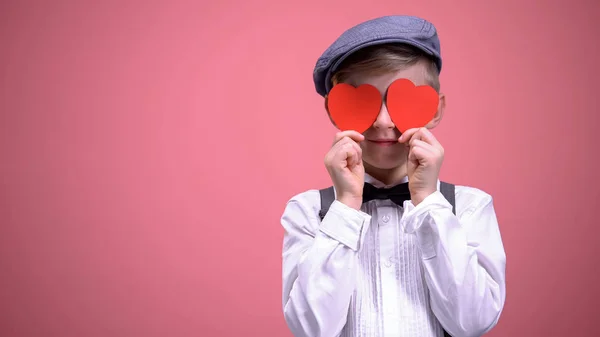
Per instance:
(383,163)
(385,160)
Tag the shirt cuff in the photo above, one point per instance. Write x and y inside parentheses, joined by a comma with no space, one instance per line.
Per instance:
(346,225)
(417,220)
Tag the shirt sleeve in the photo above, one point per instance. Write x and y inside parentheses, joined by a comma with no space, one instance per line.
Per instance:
(319,264)
(463,258)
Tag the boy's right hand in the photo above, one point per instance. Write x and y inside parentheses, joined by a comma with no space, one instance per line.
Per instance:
(345,166)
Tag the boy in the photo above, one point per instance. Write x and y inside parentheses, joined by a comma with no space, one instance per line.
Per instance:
(390,266)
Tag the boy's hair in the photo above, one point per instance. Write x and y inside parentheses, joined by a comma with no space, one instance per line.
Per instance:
(385,58)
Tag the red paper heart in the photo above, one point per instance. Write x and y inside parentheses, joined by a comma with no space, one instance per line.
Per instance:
(354,108)
(411,106)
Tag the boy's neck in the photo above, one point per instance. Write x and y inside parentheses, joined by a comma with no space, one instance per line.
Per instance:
(389,177)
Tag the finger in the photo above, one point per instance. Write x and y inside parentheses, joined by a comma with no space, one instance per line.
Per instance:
(419,153)
(423,134)
(350,155)
(343,142)
(351,158)
(358,150)
(346,151)
(348,140)
(337,153)
(412,157)
(356,136)
(417,139)
(435,148)
(357,159)
(407,135)
(427,136)
(428,148)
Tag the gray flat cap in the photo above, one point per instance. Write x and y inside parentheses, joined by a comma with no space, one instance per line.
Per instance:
(410,30)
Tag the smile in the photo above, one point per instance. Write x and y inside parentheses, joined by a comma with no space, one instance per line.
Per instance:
(384,142)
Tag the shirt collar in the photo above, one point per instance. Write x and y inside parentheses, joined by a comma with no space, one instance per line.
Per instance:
(369,179)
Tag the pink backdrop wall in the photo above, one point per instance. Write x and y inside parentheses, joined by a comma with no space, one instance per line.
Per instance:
(148,149)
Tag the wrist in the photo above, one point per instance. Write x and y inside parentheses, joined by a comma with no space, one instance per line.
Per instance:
(418,197)
(351,201)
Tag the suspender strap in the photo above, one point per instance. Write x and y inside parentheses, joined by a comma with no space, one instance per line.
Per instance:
(327,198)
(447,191)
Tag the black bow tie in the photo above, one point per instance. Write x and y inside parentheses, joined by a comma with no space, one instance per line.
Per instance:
(398,194)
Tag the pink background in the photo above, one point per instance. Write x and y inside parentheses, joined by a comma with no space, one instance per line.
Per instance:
(148,149)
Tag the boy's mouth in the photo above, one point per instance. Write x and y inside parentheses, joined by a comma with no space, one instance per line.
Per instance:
(384,142)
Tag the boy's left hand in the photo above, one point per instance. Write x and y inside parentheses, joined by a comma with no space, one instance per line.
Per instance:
(425,157)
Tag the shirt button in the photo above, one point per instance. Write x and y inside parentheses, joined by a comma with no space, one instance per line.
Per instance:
(385,218)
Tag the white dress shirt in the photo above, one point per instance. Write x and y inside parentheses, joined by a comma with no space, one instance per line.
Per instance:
(392,271)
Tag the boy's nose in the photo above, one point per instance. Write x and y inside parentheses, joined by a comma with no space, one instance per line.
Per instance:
(383,121)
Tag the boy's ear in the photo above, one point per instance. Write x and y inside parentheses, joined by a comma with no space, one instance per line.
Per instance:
(439,113)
